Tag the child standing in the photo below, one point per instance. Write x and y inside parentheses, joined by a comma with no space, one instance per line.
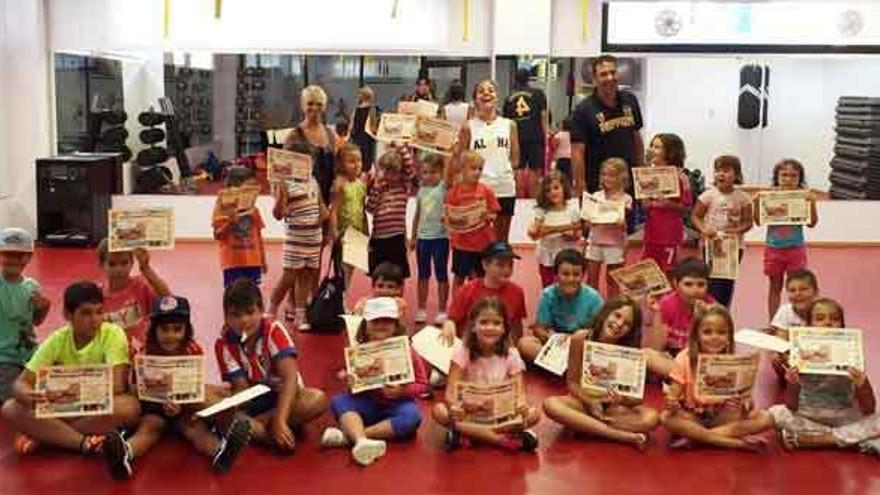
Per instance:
(468,245)
(724,209)
(299,203)
(731,424)
(557,224)
(253,349)
(562,149)
(486,356)
(348,199)
(664,226)
(369,418)
(388,193)
(86,339)
(128,300)
(673,313)
(429,239)
(828,411)
(607,243)
(171,334)
(239,235)
(22,307)
(567,306)
(610,415)
(786,248)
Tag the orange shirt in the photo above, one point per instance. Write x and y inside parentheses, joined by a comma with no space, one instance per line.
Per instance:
(241,243)
(464,195)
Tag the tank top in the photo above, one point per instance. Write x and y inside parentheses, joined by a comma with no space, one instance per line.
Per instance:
(456,113)
(492,141)
(351,208)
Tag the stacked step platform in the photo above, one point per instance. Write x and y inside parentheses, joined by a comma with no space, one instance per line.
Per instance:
(855,168)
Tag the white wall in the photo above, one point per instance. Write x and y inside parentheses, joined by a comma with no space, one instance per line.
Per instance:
(697,99)
(328,26)
(567,31)
(24,108)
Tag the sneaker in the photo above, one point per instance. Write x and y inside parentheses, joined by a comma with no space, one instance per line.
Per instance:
(237,437)
(366,451)
(302,323)
(24,445)
(333,437)
(451,440)
(421,316)
(117,454)
(528,441)
(440,318)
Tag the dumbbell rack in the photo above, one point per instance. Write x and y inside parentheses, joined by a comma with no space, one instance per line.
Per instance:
(250,86)
(855,167)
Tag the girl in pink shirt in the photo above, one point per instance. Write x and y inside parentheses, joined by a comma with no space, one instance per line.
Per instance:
(664,227)
(732,423)
(486,357)
(607,242)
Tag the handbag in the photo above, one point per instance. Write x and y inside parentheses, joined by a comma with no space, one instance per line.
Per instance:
(323,313)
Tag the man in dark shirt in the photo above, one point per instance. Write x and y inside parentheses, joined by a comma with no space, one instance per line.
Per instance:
(606,124)
(527,106)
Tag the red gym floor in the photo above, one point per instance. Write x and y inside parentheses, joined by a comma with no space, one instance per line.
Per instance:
(563,464)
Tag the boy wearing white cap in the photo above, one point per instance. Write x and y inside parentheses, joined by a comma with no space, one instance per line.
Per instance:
(21,306)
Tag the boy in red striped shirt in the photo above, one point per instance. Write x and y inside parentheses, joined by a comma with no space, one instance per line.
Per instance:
(253,349)
(389,191)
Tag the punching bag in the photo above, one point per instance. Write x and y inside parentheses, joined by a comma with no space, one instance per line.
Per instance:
(753,96)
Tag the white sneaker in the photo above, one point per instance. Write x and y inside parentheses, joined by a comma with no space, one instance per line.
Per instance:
(440,318)
(366,451)
(421,316)
(333,437)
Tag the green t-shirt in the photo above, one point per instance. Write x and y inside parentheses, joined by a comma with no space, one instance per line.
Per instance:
(109,346)
(17,338)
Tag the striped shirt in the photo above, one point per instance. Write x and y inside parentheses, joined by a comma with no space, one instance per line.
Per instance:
(386,201)
(254,362)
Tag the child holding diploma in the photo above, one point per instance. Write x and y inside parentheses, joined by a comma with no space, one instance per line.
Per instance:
(254,349)
(348,198)
(367,419)
(610,416)
(731,424)
(557,224)
(86,339)
(828,411)
(171,334)
(607,242)
(786,249)
(486,356)
(239,235)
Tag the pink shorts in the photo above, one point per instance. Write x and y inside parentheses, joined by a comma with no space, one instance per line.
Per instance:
(665,256)
(779,261)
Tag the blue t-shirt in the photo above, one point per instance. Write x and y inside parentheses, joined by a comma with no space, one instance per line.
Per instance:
(430,200)
(568,314)
(785,236)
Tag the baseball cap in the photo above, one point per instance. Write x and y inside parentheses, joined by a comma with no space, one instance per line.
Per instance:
(16,240)
(499,249)
(170,308)
(381,307)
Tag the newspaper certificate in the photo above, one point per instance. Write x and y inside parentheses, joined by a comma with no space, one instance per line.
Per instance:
(467,218)
(75,391)
(489,404)
(607,366)
(396,127)
(376,364)
(286,165)
(784,208)
(435,134)
(233,199)
(725,376)
(826,351)
(178,379)
(553,357)
(148,228)
(642,278)
(722,256)
(602,212)
(421,108)
(656,182)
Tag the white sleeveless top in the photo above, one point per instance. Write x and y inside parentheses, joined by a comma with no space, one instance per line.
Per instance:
(456,113)
(492,142)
